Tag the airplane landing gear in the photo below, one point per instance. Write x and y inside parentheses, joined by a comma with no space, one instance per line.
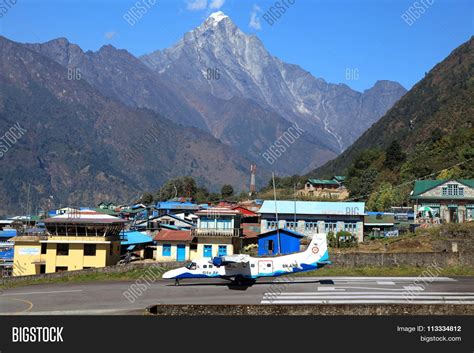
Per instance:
(176,281)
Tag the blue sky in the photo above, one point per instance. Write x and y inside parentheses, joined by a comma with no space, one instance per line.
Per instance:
(367,39)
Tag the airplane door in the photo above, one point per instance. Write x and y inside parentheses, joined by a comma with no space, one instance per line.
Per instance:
(265,267)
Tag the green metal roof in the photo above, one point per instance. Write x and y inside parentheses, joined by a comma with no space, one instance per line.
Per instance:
(422,186)
(105,211)
(323,181)
(339,178)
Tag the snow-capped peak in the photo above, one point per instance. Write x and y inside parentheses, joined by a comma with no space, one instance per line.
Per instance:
(216,17)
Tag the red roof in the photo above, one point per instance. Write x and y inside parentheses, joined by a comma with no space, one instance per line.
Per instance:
(173,235)
(244,211)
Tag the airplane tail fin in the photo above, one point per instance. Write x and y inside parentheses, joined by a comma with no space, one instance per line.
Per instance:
(318,248)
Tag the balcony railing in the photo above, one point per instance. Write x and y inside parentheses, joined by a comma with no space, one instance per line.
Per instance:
(216,232)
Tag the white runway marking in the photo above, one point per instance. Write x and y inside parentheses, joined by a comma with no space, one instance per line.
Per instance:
(413,288)
(407,293)
(50,292)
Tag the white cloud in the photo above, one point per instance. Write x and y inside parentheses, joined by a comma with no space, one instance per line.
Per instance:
(110,35)
(254,19)
(195,5)
(216,4)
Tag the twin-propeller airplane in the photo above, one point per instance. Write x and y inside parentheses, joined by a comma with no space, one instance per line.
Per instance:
(243,268)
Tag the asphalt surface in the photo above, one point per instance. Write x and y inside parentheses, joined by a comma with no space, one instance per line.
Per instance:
(128,297)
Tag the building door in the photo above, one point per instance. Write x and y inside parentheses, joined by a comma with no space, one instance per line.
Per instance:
(265,267)
(222,250)
(207,250)
(181,252)
(453,214)
(42,268)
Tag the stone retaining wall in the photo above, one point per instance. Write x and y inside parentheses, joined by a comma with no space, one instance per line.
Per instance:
(443,259)
(303,309)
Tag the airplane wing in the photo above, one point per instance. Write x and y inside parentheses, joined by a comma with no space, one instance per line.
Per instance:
(230,259)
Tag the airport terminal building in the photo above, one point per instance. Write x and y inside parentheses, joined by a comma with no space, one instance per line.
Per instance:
(310,217)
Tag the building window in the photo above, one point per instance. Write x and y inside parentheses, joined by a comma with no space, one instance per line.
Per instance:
(90,249)
(166,249)
(272,224)
(330,227)
(61,268)
(222,250)
(470,214)
(44,248)
(453,190)
(291,225)
(63,250)
(311,226)
(350,227)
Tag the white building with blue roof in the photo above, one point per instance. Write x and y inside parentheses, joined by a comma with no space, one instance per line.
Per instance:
(311,217)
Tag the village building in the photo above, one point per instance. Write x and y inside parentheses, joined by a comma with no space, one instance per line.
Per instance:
(218,233)
(184,206)
(325,188)
(172,245)
(279,241)
(379,224)
(443,201)
(72,241)
(311,217)
(156,223)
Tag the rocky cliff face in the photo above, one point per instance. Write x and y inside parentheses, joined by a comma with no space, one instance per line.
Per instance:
(81,146)
(247,70)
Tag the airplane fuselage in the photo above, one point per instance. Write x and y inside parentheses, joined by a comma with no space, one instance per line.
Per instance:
(248,267)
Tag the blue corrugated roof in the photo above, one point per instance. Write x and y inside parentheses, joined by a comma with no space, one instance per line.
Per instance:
(314,207)
(172,205)
(7,233)
(7,254)
(134,238)
(283,230)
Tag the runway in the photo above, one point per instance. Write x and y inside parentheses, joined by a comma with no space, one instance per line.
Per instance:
(127,297)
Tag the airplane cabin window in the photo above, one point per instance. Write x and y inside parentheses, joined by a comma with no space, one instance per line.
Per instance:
(204,266)
(268,265)
(252,265)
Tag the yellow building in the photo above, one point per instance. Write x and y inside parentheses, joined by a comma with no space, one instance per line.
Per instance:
(73,241)
(172,245)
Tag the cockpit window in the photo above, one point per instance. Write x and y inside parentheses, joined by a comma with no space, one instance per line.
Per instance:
(191,266)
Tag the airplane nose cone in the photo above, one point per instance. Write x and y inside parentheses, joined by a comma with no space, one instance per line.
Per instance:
(172,273)
(168,274)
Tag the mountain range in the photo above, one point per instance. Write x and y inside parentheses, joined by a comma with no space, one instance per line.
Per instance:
(433,122)
(82,128)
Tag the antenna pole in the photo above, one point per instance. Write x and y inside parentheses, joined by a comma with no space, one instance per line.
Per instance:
(294,185)
(276,213)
